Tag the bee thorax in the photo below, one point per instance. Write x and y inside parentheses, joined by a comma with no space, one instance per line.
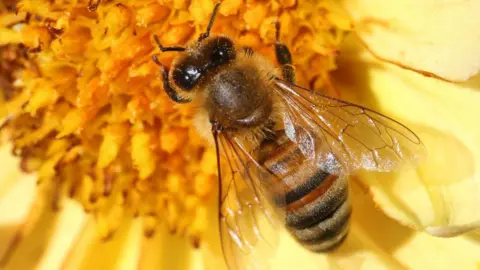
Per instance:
(237,98)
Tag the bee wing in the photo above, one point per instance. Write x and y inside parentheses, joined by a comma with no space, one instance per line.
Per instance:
(247,213)
(343,137)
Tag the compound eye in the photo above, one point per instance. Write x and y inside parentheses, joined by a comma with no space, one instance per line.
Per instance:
(187,76)
(222,52)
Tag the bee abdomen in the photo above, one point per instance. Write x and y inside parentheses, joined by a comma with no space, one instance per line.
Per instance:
(317,205)
(326,231)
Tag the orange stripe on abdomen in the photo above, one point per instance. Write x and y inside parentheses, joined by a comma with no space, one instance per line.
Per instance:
(296,175)
(316,203)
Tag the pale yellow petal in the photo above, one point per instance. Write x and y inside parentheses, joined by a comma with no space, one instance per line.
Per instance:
(71,220)
(33,235)
(164,251)
(121,251)
(439,37)
(10,172)
(21,195)
(395,246)
(445,189)
(211,249)
(79,249)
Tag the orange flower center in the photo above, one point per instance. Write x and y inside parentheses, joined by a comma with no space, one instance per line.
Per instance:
(85,108)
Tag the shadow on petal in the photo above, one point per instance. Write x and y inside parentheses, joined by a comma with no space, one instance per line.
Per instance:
(473,83)
(474,236)
(7,236)
(31,239)
(449,161)
(373,237)
(436,193)
(15,207)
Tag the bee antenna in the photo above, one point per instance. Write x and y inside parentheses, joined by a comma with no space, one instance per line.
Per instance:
(157,41)
(210,24)
(167,49)
(277,30)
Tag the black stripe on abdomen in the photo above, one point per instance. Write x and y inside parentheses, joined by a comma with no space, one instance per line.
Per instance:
(322,224)
(317,205)
(301,190)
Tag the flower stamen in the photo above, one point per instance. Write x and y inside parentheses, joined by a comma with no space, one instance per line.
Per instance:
(95,123)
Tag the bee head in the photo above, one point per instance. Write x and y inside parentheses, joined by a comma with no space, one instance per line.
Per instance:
(200,60)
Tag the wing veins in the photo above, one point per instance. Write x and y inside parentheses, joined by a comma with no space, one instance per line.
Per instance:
(252,183)
(232,173)
(368,131)
(255,187)
(323,130)
(257,231)
(343,103)
(378,131)
(243,165)
(299,104)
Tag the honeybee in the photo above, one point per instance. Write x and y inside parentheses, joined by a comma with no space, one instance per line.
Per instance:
(282,150)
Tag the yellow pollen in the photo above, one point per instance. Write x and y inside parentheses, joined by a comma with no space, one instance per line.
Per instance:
(84,106)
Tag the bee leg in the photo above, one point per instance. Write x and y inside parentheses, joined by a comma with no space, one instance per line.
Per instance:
(284,57)
(167,49)
(172,94)
(210,24)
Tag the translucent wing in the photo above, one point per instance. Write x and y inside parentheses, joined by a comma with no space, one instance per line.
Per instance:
(343,137)
(247,211)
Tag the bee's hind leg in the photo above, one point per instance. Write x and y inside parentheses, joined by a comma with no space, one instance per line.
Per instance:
(284,57)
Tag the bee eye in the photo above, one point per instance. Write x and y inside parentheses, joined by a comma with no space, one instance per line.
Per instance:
(222,52)
(187,76)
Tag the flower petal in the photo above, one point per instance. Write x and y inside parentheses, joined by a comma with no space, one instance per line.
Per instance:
(71,220)
(158,252)
(33,235)
(121,251)
(380,243)
(444,190)
(437,37)
(10,172)
(211,249)
(12,218)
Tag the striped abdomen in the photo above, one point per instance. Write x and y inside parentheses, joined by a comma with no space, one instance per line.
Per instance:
(317,204)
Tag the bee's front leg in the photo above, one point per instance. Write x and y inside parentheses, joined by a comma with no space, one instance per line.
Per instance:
(284,57)
(172,94)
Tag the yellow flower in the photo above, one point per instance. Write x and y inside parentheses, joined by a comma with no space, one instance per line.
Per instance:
(441,195)
(86,111)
